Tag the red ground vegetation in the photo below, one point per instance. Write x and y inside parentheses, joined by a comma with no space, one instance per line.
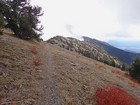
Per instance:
(34,50)
(114,96)
(37,62)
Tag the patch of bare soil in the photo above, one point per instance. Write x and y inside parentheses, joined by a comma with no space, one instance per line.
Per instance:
(48,86)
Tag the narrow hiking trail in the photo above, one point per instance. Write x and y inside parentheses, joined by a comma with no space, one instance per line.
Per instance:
(71,81)
(48,85)
(63,77)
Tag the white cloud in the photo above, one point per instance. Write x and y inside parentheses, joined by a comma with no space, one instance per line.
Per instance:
(134,31)
(100,19)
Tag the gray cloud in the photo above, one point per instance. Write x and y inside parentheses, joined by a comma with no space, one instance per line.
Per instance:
(128,11)
(69,28)
(120,34)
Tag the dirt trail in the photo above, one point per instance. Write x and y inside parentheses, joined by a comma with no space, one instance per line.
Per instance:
(71,81)
(48,85)
(64,78)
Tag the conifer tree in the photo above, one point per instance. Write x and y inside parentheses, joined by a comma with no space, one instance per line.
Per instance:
(22,18)
(135,69)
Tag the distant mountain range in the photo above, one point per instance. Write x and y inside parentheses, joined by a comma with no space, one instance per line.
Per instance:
(125,56)
(131,46)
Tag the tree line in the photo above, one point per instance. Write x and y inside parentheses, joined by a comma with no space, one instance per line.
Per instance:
(21,17)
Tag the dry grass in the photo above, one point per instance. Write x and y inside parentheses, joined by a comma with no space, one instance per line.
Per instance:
(18,75)
(75,77)
(37,62)
(79,78)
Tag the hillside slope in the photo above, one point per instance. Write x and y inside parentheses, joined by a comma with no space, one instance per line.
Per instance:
(62,78)
(86,49)
(75,78)
(124,56)
(18,74)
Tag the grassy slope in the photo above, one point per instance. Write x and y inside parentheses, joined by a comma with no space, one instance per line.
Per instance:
(18,75)
(73,77)
(79,77)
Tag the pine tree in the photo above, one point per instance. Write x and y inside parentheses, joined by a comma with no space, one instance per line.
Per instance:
(135,69)
(22,18)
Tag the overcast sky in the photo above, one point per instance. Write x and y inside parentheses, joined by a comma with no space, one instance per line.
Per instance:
(101,19)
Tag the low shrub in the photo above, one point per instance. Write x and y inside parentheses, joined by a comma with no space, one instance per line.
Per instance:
(114,96)
(3,102)
(37,62)
(1,32)
(34,50)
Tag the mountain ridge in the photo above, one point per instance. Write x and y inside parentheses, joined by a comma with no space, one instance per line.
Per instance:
(122,55)
(86,49)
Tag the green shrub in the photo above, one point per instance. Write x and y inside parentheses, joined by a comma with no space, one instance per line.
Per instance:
(1,32)
(1,21)
(22,18)
(135,70)
(1,24)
